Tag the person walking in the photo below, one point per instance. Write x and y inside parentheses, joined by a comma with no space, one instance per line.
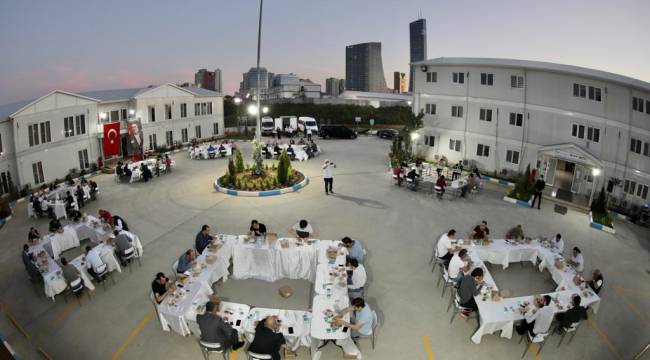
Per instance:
(539,187)
(309,133)
(327,176)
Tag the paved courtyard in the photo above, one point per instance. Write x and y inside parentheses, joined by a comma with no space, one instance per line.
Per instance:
(397,226)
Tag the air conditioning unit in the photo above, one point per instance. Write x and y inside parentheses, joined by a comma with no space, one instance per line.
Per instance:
(424,68)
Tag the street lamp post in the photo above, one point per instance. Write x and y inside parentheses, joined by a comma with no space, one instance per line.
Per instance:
(258,128)
(594,172)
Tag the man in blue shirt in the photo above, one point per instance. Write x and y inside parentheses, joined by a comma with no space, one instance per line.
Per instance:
(355,249)
(362,318)
(185,261)
(203,239)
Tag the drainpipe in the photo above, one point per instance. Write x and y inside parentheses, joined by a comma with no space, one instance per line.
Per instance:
(496,142)
(526,117)
(465,116)
(629,136)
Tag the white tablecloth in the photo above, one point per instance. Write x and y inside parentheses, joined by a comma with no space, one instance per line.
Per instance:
(56,243)
(87,230)
(201,151)
(181,306)
(298,320)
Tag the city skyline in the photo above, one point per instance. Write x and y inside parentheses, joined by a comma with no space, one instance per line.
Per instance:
(81,52)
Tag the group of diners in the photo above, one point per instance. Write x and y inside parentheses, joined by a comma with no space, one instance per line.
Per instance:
(124,170)
(268,339)
(73,194)
(413,175)
(469,279)
(274,149)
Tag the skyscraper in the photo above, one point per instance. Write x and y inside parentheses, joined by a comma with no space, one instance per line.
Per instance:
(363,68)
(418,41)
(218,81)
(334,86)
(399,82)
(205,79)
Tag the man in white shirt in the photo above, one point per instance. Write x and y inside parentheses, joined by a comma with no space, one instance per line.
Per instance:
(328,177)
(577,261)
(94,262)
(357,279)
(538,319)
(459,265)
(303,229)
(444,248)
(558,243)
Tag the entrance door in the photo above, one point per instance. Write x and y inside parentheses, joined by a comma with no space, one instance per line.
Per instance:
(578,179)
(549,176)
(564,175)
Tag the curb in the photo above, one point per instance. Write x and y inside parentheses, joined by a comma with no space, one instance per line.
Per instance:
(517,202)
(5,220)
(287,190)
(498,181)
(600,227)
(619,216)
(12,352)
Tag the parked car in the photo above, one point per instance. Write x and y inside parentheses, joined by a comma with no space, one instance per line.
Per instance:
(387,133)
(336,131)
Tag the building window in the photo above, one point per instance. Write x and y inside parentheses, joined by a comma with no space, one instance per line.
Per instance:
(124,114)
(516,82)
(629,186)
(578,131)
(45,132)
(482,150)
(454,145)
(197,131)
(647,107)
(153,144)
(183,110)
(646,151)
(5,182)
(197,109)
(430,109)
(204,108)
(114,115)
(594,93)
(642,191)
(516,119)
(430,140)
(37,169)
(456,111)
(169,138)
(485,115)
(83,159)
(432,76)
(635,103)
(184,135)
(593,134)
(80,124)
(168,111)
(512,157)
(209,108)
(579,90)
(152,114)
(68,126)
(215,128)
(635,145)
(458,78)
(33,134)
(487,79)
(1,148)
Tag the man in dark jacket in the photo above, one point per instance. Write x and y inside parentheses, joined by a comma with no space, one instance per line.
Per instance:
(539,187)
(576,314)
(268,340)
(215,330)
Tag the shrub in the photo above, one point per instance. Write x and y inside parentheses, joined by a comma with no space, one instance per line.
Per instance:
(231,171)
(599,204)
(258,162)
(524,186)
(94,167)
(283,168)
(239,161)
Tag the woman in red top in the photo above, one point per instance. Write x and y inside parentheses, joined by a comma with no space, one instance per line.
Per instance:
(442,184)
(105,215)
(397,171)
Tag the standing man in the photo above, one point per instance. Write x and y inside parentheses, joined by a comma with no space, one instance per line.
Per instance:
(309,133)
(327,176)
(539,187)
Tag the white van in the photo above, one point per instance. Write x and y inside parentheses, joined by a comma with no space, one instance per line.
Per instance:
(306,122)
(268,125)
(284,122)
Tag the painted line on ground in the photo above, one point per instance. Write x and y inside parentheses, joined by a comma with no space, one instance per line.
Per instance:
(631,290)
(635,309)
(427,347)
(604,338)
(234,354)
(532,348)
(133,334)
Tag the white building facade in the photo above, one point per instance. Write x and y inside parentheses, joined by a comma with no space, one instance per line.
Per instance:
(580,128)
(43,139)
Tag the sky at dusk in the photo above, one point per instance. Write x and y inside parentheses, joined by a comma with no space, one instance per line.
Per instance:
(92,45)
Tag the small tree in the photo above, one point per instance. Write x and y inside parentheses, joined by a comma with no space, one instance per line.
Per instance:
(258,162)
(239,161)
(232,172)
(599,205)
(283,168)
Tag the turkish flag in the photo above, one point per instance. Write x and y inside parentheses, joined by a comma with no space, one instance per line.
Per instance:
(112,139)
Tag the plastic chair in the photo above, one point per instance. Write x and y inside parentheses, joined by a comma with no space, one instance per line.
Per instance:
(375,326)
(255,356)
(538,339)
(174,267)
(208,348)
(102,272)
(76,288)
(573,328)
(472,314)
(435,259)
(449,283)
(129,254)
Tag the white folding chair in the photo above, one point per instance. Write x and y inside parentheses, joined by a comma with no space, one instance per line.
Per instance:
(573,328)
(459,308)
(208,348)
(435,260)
(76,288)
(174,267)
(129,254)
(538,339)
(102,272)
(449,283)
(255,356)
(375,326)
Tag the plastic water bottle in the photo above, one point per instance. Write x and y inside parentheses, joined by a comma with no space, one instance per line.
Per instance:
(305,317)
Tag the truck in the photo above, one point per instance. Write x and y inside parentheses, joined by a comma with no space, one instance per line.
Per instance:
(286,121)
(306,122)
(268,125)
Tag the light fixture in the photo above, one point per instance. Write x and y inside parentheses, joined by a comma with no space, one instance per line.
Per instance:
(252,109)
(265,109)
(103,115)
(595,171)
(237,100)
(131,112)
(414,136)
(409,102)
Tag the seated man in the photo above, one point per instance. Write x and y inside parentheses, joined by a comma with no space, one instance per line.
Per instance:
(186,261)
(303,229)
(127,171)
(122,243)
(33,235)
(118,170)
(413,176)
(444,248)
(55,225)
(291,152)
(257,229)
(538,318)
(119,223)
(355,249)
(457,170)
(45,207)
(576,314)
(268,151)
(268,340)
(93,263)
(596,282)
(468,287)
(314,147)
(93,190)
(203,239)
(222,150)
(459,265)
(516,233)
(30,266)
(215,330)
(577,261)
(558,243)
(480,231)
(472,184)
(276,149)
(361,319)
(357,279)
(211,151)
(70,272)
(441,184)
(161,287)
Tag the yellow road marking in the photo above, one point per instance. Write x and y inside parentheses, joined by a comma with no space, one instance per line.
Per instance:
(532,348)
(133,334)
(621,290)
(636,310)
(234,354)
(604,338)
(427,347)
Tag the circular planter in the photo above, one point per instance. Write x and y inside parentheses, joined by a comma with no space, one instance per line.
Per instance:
(274,192)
